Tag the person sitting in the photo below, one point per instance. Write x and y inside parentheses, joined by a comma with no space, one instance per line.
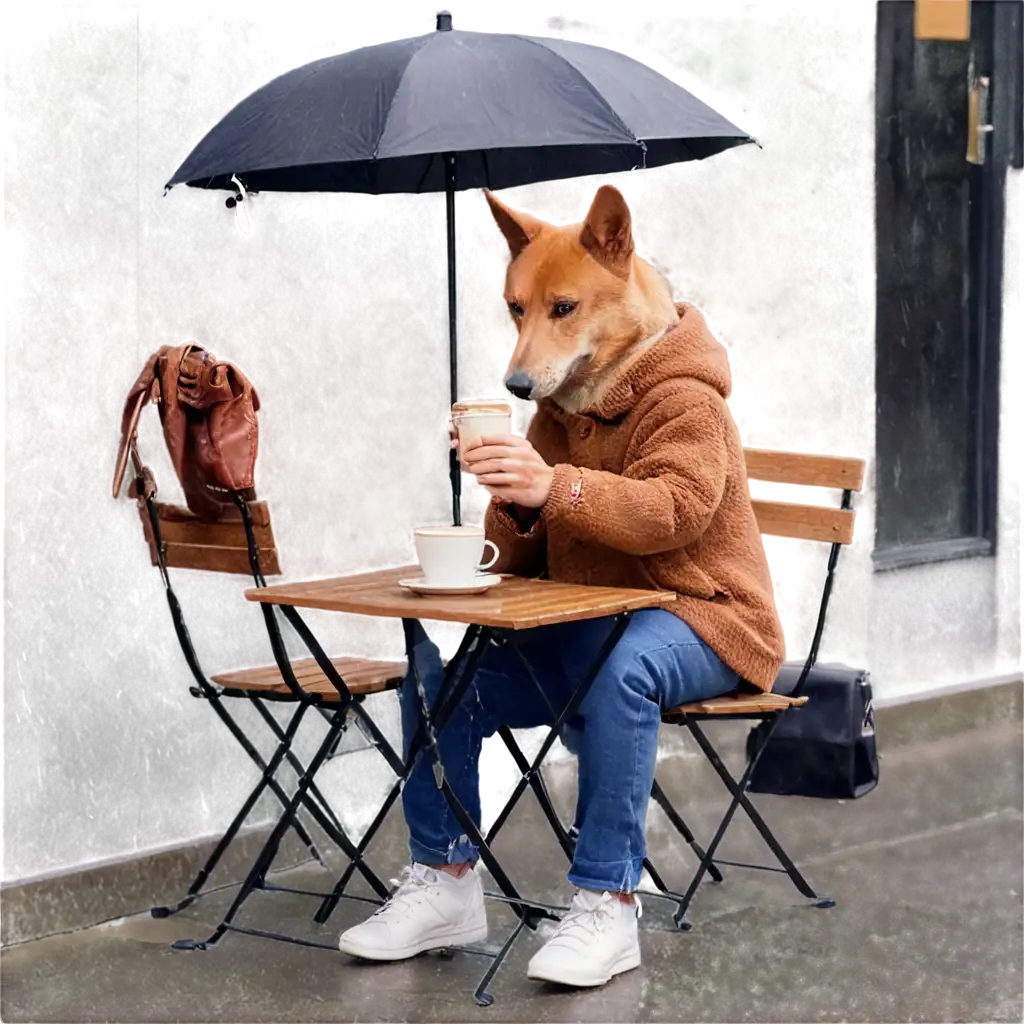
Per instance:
(631,475)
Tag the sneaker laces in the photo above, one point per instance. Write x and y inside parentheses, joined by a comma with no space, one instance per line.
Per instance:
(410,889)
(588,918)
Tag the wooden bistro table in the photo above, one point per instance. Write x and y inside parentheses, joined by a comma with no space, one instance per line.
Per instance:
(494,618)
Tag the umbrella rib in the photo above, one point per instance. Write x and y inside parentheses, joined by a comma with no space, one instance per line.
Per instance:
(426,172)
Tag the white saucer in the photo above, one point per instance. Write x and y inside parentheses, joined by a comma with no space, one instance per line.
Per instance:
(483,582)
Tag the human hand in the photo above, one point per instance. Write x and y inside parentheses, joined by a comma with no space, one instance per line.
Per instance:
(510,468)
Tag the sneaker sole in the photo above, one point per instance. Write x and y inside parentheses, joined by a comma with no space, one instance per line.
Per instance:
(456,937)
(627,962)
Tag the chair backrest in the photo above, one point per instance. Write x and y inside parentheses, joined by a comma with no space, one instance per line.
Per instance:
(189,543)
(807,522)
(825,523)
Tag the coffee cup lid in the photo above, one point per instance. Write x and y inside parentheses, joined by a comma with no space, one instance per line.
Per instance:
(495,405)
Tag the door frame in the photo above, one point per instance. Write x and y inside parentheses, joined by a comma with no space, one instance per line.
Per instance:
(997,47)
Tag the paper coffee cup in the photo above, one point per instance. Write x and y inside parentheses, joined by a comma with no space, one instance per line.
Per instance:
(481,417)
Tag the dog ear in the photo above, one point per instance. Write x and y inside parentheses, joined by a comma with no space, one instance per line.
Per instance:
(519,229)
(607,232)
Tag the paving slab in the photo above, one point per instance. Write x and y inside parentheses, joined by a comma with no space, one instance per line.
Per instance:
(927,872)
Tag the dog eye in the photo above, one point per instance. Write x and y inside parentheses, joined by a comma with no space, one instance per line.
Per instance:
(562,308)
(515,309)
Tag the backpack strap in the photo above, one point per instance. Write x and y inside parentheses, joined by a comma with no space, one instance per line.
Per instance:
(146,388)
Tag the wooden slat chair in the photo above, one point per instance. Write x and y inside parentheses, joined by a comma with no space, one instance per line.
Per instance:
(242,542)
(833,526)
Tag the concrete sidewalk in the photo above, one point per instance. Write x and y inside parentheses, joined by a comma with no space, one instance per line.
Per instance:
(927,871)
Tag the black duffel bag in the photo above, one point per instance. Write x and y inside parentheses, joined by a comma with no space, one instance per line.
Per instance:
(826,748)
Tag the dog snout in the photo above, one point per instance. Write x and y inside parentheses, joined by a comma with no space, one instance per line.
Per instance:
(520,384)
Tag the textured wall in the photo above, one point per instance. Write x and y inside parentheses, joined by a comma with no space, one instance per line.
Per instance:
(335,313)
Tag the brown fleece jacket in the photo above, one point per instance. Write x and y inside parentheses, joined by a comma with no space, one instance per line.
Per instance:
(650,491)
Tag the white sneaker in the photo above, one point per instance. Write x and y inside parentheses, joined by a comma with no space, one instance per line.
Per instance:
(596,940)
(429,910)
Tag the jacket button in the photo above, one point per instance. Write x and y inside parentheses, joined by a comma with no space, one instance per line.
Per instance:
(585,430)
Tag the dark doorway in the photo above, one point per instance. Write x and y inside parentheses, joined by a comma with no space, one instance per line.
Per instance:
(939,237)
(942,243)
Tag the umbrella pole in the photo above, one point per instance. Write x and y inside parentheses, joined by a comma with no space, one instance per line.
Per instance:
(454,471)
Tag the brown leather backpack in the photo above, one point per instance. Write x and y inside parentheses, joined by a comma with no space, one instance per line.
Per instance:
(208,411)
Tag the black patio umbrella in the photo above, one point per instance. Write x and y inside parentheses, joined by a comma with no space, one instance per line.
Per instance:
(455,110)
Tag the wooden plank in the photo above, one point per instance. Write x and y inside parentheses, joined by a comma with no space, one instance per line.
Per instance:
(259,511)
(265,678)
(811,470)
(212,558)
(352,670)
(222,535)
(364,579)
(736,703)
(515,603)
(805,522)
(324,688)
(361,675)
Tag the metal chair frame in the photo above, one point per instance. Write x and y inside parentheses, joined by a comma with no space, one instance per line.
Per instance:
(708,864)
(307,795)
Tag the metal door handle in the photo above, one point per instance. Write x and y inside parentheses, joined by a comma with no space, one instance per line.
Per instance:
(977,109)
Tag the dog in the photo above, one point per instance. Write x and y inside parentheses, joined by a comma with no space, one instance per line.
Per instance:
(584,303)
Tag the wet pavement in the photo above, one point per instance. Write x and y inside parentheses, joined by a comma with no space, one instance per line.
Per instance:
(926,871)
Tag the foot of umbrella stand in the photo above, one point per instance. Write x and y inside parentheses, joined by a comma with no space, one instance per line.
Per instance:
(825,903)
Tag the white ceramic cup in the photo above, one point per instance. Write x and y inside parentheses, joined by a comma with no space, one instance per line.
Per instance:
(481,417)
(450,556)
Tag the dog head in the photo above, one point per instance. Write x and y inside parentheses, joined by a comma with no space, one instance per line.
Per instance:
(579,296)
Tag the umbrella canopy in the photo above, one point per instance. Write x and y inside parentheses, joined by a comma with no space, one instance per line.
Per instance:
(509,109)
(450,111)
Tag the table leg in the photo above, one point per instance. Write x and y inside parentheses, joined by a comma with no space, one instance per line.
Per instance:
(531,771)
(458,677)
(453,686)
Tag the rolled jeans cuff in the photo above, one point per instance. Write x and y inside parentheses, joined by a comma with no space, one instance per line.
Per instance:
(460,851)
(608,875)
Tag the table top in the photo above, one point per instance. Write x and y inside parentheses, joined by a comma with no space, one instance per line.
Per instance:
(515,603)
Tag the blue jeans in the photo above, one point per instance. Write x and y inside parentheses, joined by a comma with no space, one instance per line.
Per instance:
(659,662)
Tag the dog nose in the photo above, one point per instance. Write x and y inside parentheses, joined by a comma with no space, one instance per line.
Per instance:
(520,384)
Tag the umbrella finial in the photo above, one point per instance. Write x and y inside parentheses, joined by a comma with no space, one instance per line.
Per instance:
(444,21)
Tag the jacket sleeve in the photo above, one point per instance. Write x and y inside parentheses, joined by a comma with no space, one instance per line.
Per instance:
(524,554)
(665,498)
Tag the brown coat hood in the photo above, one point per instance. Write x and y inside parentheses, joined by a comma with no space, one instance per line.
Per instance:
(686,350)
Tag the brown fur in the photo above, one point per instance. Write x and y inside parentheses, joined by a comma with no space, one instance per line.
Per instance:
(620,300)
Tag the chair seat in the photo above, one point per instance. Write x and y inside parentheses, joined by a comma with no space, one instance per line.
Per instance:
(738,702)
(361,675)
